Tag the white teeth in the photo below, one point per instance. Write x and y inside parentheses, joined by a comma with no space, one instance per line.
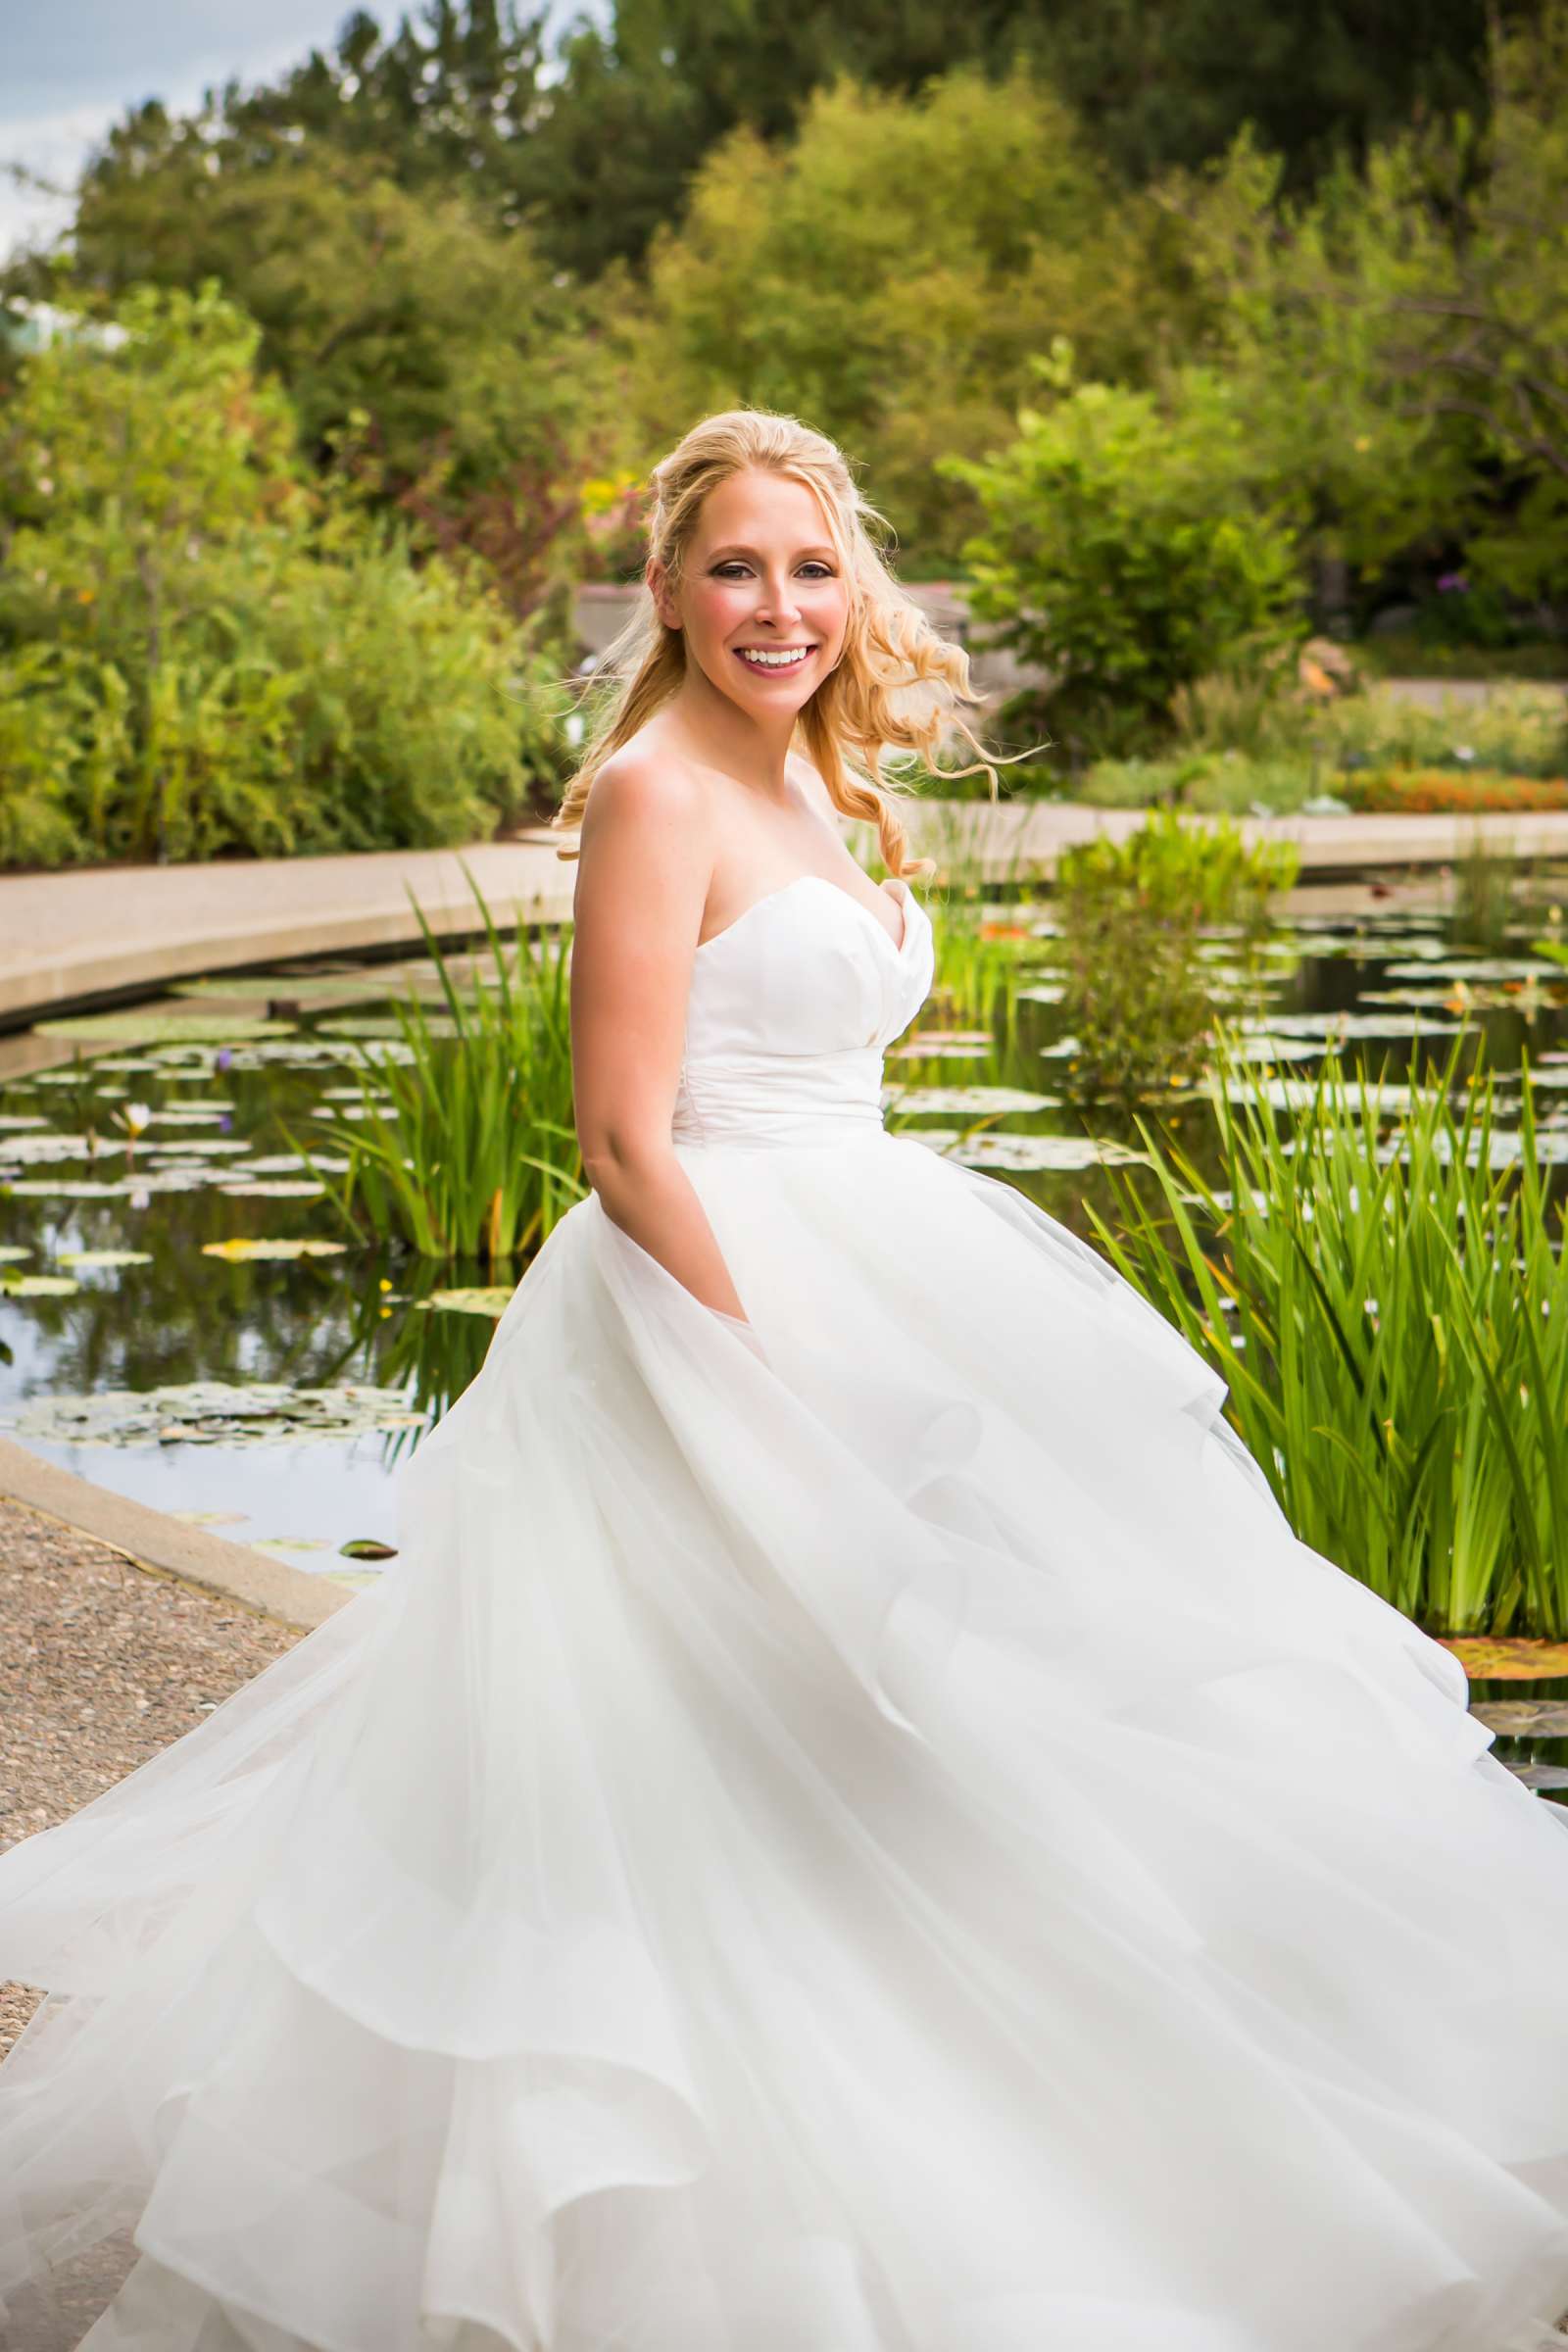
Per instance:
(766,661)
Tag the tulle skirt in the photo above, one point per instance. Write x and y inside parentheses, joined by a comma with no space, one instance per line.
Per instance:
(886,1844)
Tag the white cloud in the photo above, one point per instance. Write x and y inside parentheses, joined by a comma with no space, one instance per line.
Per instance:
(52,148)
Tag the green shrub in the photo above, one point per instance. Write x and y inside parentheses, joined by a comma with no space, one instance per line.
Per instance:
(1518,730)
(1131,914)
(1217,783)
(199,653)
(63,744)
(1123,553)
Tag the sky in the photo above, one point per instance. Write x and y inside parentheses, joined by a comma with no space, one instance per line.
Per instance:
(70,68)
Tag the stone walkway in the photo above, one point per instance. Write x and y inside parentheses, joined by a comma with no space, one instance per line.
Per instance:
(101,931)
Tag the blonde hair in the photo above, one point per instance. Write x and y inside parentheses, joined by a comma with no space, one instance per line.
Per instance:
(896,685)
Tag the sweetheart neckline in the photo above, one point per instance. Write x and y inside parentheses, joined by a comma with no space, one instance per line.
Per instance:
(897,947)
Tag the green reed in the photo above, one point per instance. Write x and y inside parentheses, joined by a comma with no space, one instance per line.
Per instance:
(467,1147)
(1395,1335)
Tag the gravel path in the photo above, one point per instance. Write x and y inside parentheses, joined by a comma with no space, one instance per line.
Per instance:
(101,1665)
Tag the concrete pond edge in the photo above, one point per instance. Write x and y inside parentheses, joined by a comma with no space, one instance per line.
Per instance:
(164,1546)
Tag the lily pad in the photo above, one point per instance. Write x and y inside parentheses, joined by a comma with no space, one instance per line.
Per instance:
(215,1412)
(384,1026)
(15,1120)
(365,1547)
(491,1300)
(197,1147)
(943,1101)
(1034,1154)
(105,1258)
(1044,992)
(242,1249)
(10,1250)
(272,1188)
(1489,1661)
(37,1188)
(163,1028)
(37,1286)
(952,1045)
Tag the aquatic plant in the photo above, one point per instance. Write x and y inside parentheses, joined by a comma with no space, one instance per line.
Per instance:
(464,1146)
(1131,912)
(1389,1307)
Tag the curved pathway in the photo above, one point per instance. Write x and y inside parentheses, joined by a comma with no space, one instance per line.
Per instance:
(100,932)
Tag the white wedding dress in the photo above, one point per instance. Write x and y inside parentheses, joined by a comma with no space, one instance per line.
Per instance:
(882,1843)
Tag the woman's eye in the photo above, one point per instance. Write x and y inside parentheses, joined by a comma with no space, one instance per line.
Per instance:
(734,569)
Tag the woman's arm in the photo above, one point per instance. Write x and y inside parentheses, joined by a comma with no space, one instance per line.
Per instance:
(641,883)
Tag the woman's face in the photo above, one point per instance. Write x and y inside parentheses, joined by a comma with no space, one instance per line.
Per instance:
(762,600)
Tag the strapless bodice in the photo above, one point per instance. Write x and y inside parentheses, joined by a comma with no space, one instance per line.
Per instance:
(791,1010)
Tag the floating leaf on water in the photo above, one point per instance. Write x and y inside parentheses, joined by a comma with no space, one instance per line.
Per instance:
(943,1101)
(1061,1049)
(1341,1027)
(37,1286)
(39,1151)
(365,1547)
(288,1543)
(1031,1154)
(10,1250)
(14,1120)
(123,1067)
(491,1300)
(377,1025)
(1298,1094)
(1044,991)
(163,1028)
(210,1518)
(1269,1045)
(1505,1147)
(271,1187)
(242,1247)
(212,1413)
(1474,970)
(954,1046)
(105,1258)
(287,1164)
(1495,1661)
(197,1147)
(37,1187)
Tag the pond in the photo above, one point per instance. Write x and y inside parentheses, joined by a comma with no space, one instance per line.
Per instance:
(184,1320)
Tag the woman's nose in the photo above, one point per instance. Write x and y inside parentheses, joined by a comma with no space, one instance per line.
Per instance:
(777,604)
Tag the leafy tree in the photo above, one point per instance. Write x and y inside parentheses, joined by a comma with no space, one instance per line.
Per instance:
(597,147)
(1401,339)
(887,276)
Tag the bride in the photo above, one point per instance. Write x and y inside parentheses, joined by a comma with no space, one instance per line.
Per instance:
(851,1824)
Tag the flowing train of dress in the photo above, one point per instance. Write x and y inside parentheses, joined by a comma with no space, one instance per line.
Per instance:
(886,1845)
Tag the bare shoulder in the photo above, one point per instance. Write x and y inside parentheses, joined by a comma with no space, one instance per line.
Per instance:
(645,794)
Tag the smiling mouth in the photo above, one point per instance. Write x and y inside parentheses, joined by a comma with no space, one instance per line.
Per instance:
(769,661)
